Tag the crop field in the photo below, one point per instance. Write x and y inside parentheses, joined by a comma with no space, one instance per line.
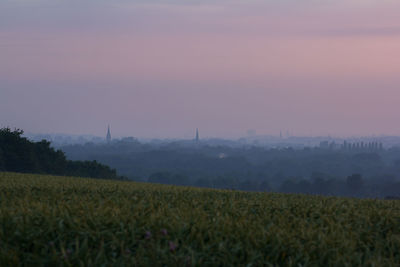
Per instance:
(63,221)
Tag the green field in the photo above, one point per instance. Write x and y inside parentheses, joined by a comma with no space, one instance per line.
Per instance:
(66,221)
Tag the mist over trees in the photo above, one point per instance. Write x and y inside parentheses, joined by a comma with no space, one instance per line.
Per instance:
(18,154)
(342,172)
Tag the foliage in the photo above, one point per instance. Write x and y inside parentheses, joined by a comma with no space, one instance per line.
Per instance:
(354,182)
(18,154)
(61,221)
(310,170)
(167,178)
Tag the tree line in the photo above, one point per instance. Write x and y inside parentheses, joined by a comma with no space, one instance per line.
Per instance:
(251,168)
(18,154)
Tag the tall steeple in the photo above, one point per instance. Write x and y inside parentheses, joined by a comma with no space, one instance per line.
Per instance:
(108,137)
(197,135)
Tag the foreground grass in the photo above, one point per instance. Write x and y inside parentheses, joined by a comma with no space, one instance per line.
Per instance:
(48,220)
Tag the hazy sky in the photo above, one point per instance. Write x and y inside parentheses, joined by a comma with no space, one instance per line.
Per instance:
(163,68)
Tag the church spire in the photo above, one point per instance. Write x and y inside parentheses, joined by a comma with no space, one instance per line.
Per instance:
(197,135)
(108,137)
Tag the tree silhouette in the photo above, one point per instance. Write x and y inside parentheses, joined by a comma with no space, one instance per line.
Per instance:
(354,183)
(18,154)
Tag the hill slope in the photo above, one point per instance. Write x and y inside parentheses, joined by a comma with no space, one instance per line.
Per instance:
(52,220)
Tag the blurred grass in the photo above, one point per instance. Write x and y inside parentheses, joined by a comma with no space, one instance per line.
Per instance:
(63,221)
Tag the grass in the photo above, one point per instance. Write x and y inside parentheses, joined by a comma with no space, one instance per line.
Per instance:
(63,221)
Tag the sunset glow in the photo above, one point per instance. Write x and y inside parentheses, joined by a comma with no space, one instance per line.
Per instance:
(166,68)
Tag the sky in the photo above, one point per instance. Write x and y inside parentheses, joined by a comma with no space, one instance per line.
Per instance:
(161,69)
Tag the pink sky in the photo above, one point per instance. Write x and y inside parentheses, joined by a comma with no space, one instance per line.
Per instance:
(163,69)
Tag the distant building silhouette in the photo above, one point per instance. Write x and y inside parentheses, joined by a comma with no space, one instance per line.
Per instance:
(363,146)
(108,137)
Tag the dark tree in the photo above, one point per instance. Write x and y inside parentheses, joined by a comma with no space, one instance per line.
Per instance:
(18,154)
(354,183)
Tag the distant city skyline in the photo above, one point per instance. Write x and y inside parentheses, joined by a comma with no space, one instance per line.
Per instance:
(196,136)
(160,69)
